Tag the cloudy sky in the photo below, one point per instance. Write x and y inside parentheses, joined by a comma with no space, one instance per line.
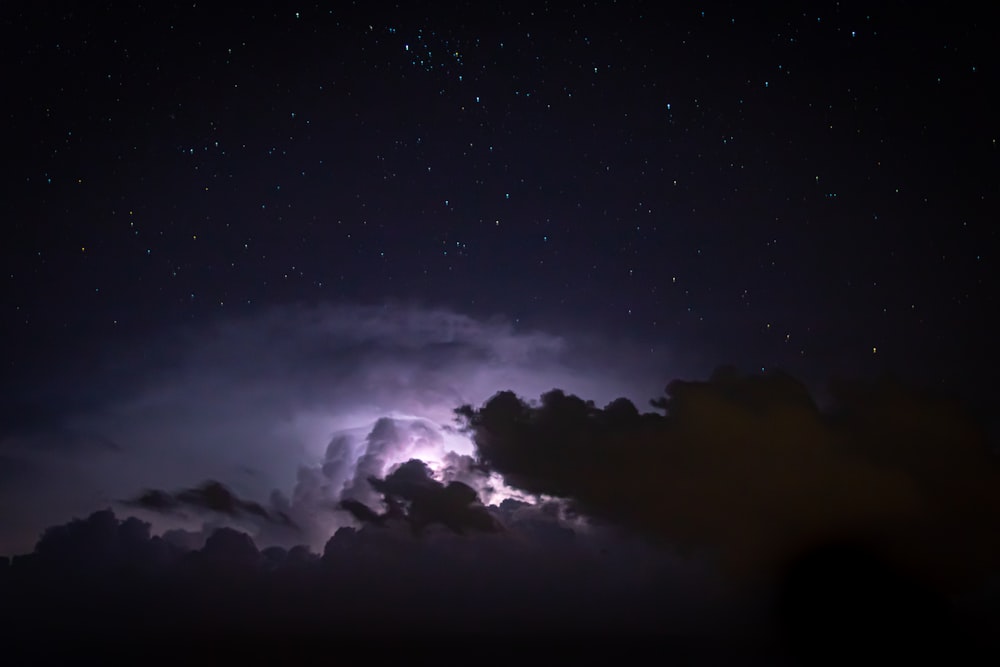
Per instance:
(254,399)
(255,260)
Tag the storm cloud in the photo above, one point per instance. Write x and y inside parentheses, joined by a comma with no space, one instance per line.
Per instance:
(738,517)
(287,408)
(748,471)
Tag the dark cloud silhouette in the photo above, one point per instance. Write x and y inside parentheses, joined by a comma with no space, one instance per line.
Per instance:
(105,581)
(749,469)
(362,512)
(228,548)
(411,494)
(211,496)
(106,584)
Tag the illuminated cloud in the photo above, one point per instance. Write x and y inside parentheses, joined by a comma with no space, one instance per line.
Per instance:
(289,407)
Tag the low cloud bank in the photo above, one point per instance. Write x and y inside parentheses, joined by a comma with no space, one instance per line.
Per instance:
(107,581)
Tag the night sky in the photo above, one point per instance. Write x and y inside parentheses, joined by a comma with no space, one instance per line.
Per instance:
(254,256)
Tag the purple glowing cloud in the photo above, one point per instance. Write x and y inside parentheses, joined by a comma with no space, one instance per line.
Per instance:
(301,404)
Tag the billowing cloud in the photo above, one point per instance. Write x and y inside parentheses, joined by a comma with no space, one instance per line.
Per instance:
(748,470)
(411,494)
(292,407)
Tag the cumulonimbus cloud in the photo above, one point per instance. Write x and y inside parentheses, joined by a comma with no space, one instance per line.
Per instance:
(282,405)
